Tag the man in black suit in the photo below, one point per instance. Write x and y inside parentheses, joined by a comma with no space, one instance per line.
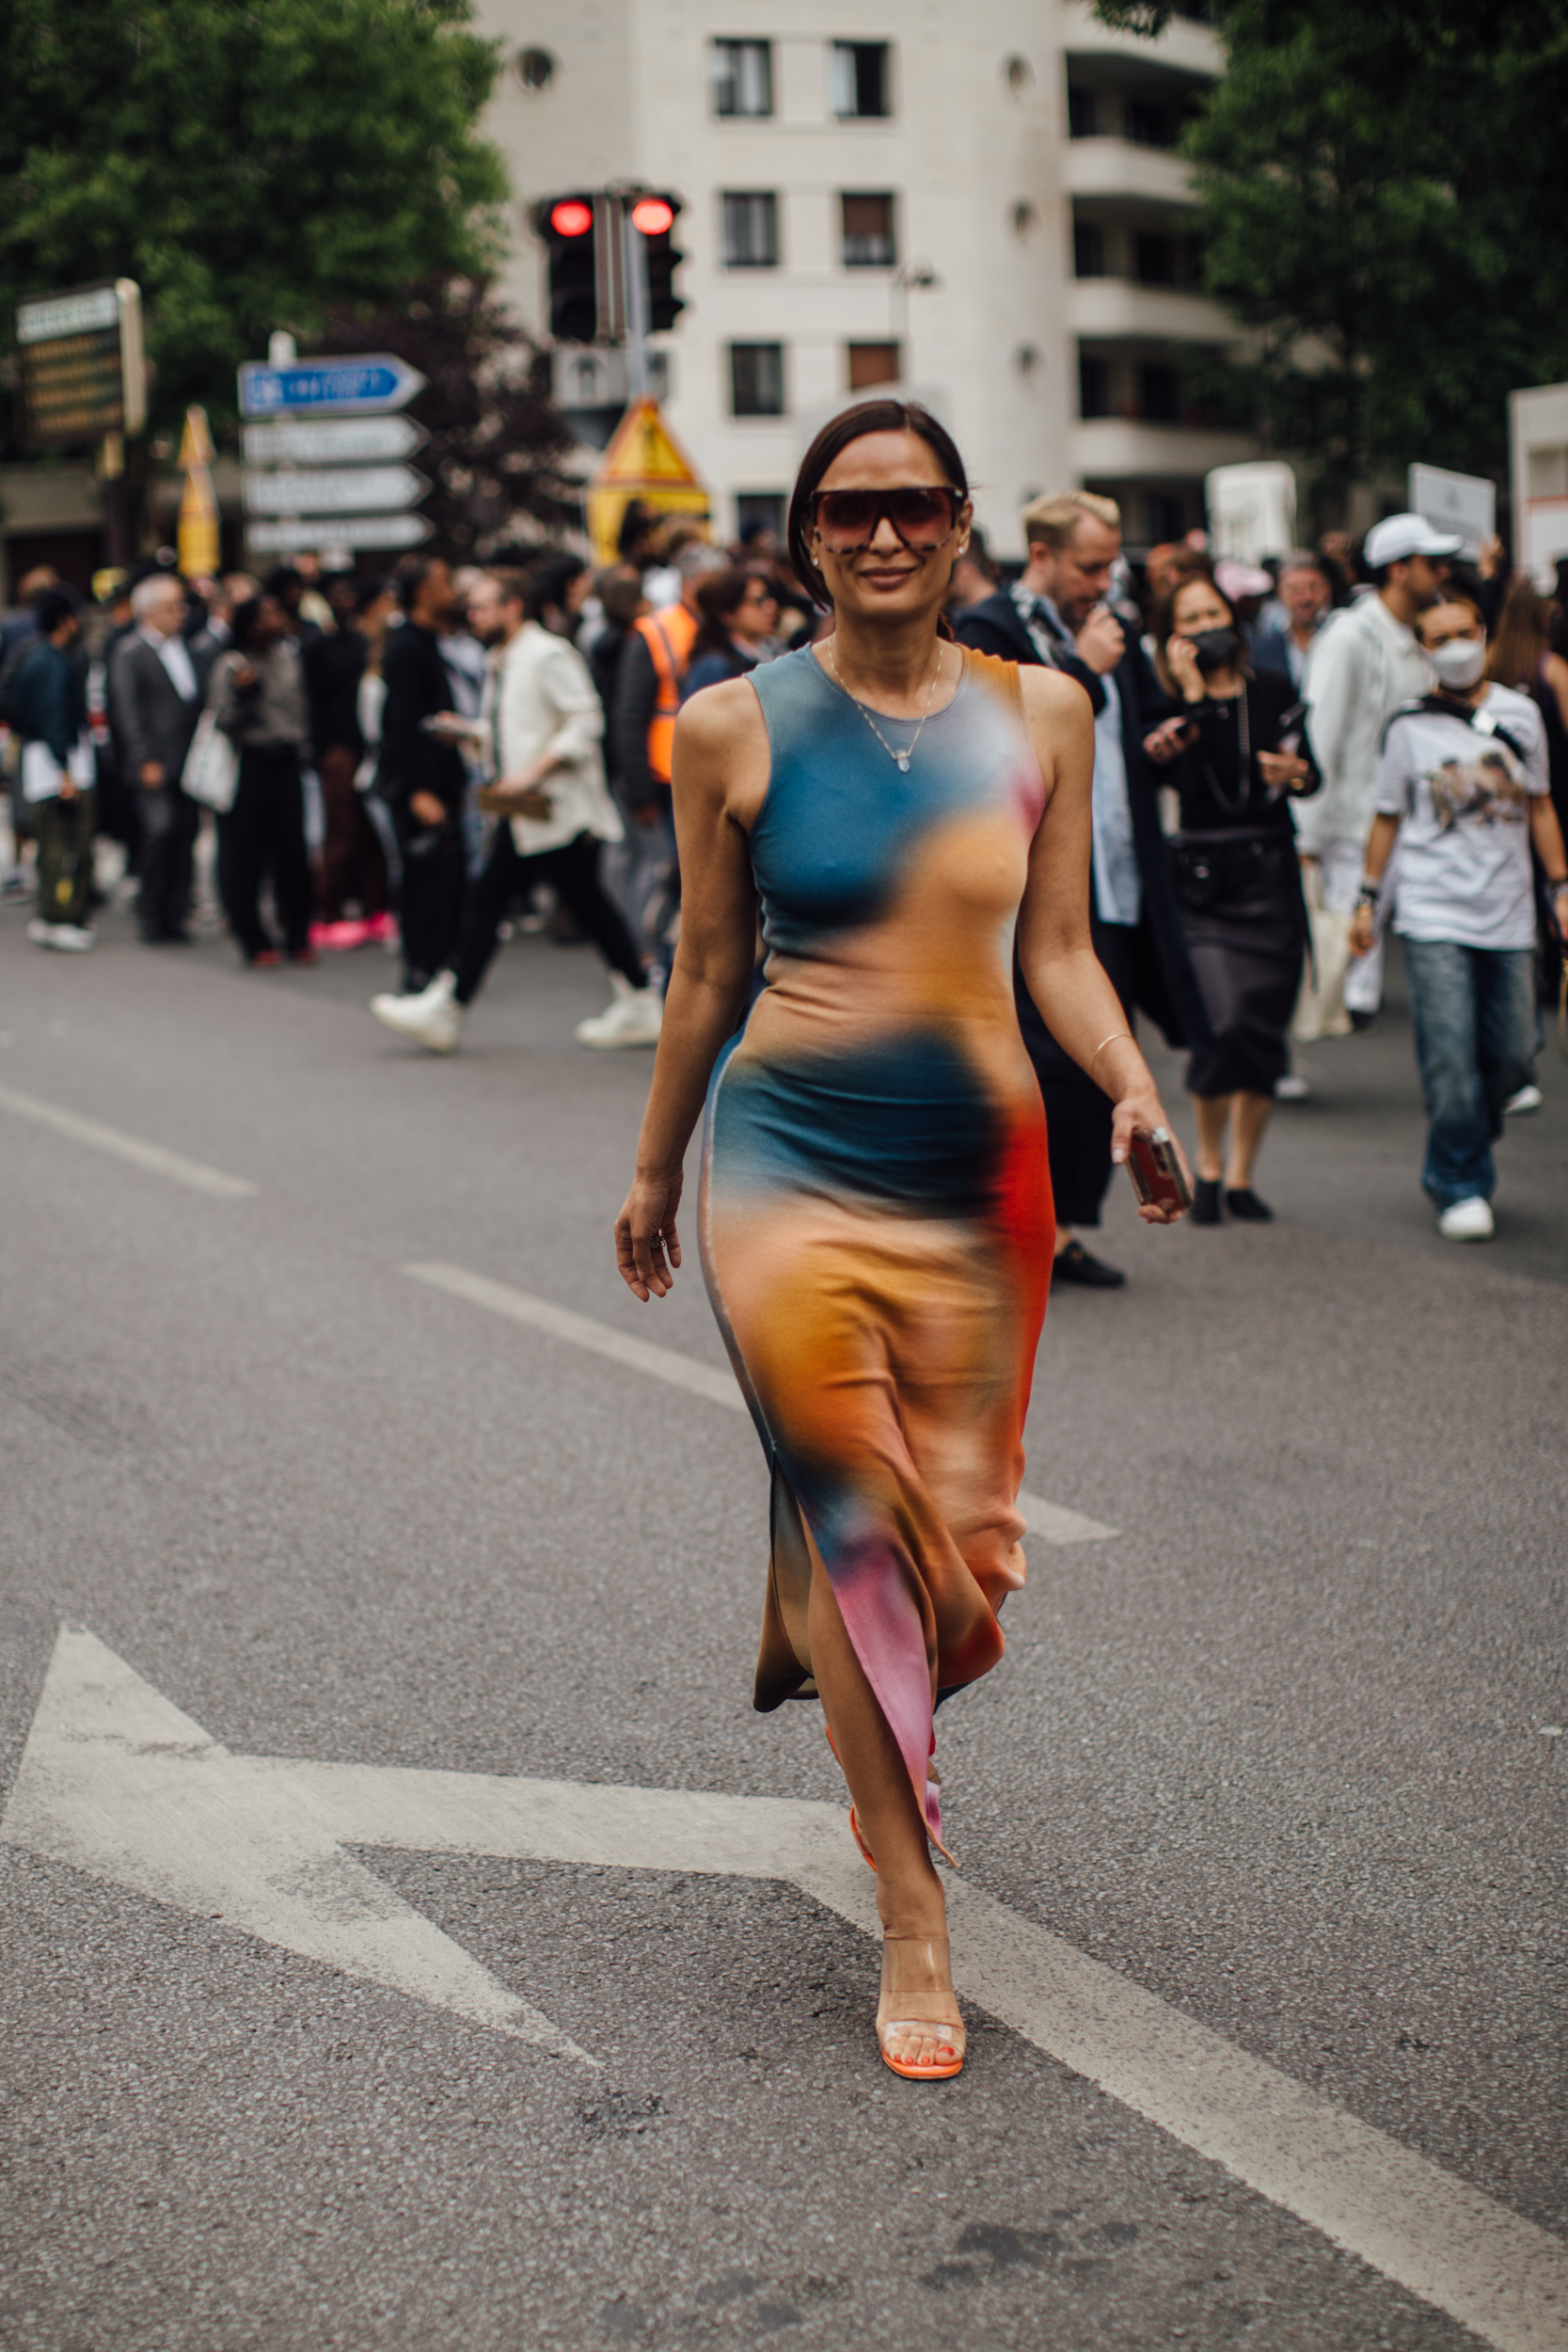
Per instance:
(1055,614)
(421,776)
(157,692)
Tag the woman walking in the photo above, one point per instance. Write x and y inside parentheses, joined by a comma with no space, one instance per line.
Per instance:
(875,1214)
(740,613)
(258,694)
(1243,755)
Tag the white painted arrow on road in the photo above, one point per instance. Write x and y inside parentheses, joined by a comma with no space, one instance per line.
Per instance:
(117,1781)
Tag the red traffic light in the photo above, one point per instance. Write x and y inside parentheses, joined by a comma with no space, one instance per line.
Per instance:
(652,215)
(573,218)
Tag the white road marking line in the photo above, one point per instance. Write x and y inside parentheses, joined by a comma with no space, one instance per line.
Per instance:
(1051,1520)
(1058,1525)
(117,1782)
(151,1156)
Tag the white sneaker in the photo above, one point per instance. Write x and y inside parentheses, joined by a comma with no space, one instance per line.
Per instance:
(38,932)
(1528,1098)
(431,1018)
(633,1017)
(1292,1087)
(69,937)
(1468,1220)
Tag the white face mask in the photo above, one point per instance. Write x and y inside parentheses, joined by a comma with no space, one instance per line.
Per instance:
(1458,663)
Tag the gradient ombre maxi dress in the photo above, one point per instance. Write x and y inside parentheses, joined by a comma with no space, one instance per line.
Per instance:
(875,1216)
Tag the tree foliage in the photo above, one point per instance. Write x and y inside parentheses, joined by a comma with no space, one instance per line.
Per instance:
(248,162)
(1382,185)
(496,443)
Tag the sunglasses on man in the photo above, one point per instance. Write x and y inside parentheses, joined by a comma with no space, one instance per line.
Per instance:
(923,517)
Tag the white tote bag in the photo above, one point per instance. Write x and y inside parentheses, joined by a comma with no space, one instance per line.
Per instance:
(212,771)
(1321,1006)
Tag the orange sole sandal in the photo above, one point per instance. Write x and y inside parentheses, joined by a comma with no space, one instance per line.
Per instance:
(948,2057)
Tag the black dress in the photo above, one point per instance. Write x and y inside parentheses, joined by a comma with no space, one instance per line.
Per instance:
(1239,884)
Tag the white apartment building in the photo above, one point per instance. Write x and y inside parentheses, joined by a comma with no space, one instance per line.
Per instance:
(975,203)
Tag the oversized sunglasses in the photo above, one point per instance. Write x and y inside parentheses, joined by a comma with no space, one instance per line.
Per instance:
(847,520)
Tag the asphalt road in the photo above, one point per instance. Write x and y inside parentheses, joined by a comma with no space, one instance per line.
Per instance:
(1286,1752)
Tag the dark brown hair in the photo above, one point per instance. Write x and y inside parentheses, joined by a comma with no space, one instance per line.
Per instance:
(1523,639)
(854,424)
(719,598)
(1162,627)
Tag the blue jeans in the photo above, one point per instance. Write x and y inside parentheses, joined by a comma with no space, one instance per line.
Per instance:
(1473,1010)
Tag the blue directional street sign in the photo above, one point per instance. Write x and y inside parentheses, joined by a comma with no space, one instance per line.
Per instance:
(376,382)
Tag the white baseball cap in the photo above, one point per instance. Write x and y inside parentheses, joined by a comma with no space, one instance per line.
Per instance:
(1397,537)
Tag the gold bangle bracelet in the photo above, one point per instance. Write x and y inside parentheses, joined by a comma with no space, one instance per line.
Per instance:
(1114,1035)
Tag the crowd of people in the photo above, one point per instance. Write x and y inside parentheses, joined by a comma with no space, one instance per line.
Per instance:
(1286,765)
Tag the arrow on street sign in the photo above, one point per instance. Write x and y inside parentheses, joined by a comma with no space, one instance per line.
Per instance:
(335,490)
(369,531)
(378,381)
(334,441)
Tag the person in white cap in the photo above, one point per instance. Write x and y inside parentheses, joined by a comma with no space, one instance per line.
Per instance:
(1363,666)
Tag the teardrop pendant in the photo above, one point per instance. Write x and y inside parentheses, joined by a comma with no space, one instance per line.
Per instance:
(903,759)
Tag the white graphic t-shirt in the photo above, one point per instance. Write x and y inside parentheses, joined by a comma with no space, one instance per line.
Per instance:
(1463,794)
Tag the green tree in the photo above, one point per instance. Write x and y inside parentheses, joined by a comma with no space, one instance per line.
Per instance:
(248,162)
(1381,184)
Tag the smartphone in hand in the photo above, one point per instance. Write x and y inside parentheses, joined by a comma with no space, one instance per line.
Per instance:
(1159,1178)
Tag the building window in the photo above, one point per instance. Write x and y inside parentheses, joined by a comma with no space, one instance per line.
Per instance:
(1094,386)
(1149,124)
(1088,250)
(760,510)
(868,238)
(1155,260)
(873,363)
(757,380)
(859,79)
(751,229)
(1159,393)
(744,77)
(1166,513)
(1081,122)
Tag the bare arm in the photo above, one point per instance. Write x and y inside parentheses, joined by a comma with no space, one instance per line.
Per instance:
(1379,849)
(1546,834)
(720,777)
(1065,977)
(1557,678)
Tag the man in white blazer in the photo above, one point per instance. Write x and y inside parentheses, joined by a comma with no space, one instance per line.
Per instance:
(539,736)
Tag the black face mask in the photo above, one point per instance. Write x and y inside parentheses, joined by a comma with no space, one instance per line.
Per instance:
(1216,648)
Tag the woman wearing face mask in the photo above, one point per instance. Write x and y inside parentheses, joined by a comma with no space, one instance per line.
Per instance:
(1464,779)
(1234,766)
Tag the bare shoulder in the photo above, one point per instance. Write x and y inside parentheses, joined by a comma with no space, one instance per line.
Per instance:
(722,750)
(1053,698)
(1060,721)
(722,718)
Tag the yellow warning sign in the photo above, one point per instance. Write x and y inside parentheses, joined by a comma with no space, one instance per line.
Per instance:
(645,462)
(198,537)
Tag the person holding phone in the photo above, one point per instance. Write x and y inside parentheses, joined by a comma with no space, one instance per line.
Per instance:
(1236,754)
(875,1214)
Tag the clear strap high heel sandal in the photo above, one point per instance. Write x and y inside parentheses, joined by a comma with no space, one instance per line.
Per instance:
(909,1965)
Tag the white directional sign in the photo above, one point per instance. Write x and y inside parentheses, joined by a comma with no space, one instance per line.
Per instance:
(335,442)
(336,490)
(376,381)
(372,532)
(117,1782)
(1465,504)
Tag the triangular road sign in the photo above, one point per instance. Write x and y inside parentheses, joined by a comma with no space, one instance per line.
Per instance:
(644,454)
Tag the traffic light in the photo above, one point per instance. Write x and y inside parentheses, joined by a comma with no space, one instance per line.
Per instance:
(654,218)
(566,224)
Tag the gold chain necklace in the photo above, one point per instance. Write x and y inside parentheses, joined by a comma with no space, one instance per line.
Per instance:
(900,759)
